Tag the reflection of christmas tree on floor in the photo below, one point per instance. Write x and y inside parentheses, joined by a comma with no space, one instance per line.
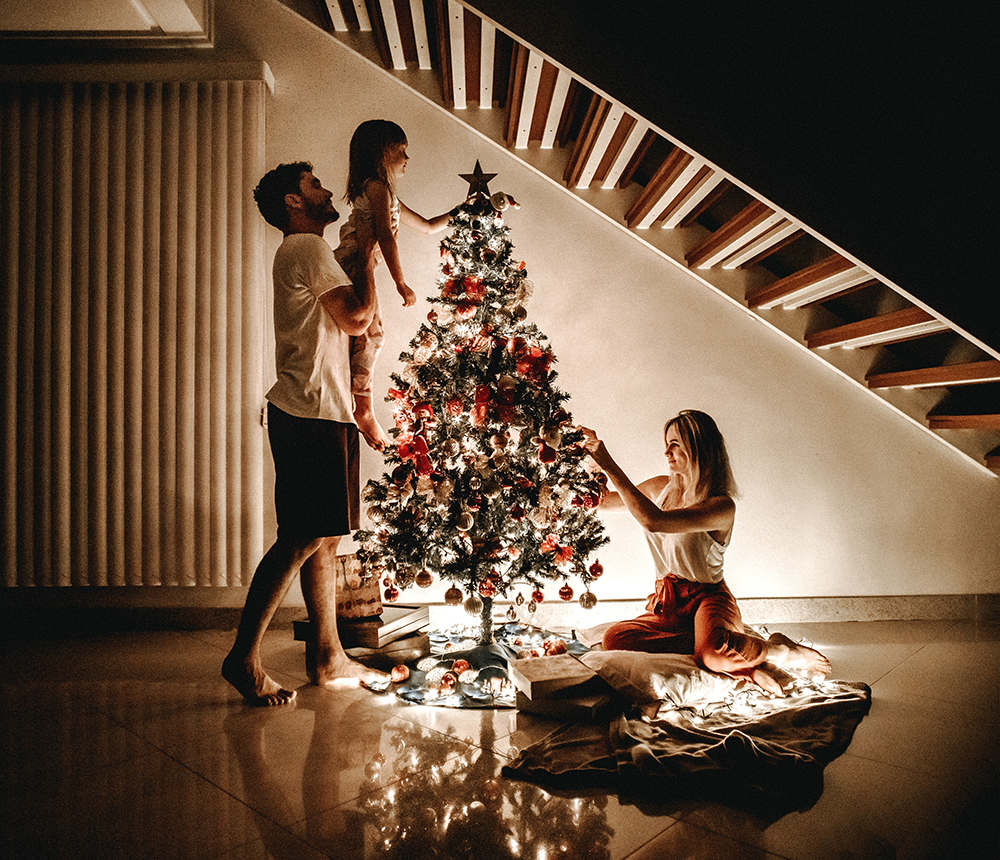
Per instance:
(487,486)
(457,806)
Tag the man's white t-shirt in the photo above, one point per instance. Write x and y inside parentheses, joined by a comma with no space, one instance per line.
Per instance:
(312,353)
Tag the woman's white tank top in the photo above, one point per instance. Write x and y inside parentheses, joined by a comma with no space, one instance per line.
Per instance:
(695,556)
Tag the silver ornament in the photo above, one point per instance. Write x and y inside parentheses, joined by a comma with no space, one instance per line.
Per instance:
(532,606)
(511,613)
(519,600)
(473,604)
(588,600)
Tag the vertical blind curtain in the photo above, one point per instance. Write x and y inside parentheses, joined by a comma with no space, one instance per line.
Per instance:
(133,301)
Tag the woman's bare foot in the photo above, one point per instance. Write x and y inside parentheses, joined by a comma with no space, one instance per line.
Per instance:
(789,655)
(253,683)
(766,677)
(340,671)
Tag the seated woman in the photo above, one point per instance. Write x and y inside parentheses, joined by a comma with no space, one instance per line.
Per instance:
(688,517)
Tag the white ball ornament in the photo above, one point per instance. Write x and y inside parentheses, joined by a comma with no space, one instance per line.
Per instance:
(588,600)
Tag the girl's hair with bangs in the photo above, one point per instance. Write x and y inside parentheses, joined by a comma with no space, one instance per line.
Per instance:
(712,475)
(370,143)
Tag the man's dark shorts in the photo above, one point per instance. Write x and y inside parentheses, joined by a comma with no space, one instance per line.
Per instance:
(315,475)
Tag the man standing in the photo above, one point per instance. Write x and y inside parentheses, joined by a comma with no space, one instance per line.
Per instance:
(311,429)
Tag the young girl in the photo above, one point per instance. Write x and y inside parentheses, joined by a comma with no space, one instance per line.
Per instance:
(688,516)
(377,160)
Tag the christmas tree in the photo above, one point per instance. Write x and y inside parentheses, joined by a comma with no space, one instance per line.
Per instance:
(487,485)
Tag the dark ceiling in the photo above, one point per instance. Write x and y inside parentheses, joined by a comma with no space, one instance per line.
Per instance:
(867,125)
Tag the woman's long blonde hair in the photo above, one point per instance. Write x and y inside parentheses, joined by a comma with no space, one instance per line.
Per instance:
(711,474)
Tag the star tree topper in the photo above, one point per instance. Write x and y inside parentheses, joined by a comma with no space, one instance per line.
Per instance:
(478,181)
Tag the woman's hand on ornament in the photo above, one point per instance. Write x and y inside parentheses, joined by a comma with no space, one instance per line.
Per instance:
(592,445)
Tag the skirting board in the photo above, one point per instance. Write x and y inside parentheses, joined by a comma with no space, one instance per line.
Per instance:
(57,611)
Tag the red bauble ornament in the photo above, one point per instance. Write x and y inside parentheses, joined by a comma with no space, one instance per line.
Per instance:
(465,310)
(399,673)
(538,595)
(487,588)
(453,596)
(460,666)
(391,594)
(432,317)
(454,406)
(424,579)
(566,593)
(448,680)
(596,569)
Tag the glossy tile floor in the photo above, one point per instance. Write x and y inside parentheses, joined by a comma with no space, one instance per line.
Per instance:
(130,745)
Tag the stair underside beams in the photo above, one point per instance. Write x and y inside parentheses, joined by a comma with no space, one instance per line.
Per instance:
(645,182)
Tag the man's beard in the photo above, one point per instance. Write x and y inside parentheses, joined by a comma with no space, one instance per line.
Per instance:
(325,212)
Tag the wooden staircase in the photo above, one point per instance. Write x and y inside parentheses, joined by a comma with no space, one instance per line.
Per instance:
(693,213)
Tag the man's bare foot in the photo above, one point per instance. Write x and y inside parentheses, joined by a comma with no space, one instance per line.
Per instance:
(790,655)
(766,677)
(341,671)
(371,430)
(253,683)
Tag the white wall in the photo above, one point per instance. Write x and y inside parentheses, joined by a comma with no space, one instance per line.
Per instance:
(840,496)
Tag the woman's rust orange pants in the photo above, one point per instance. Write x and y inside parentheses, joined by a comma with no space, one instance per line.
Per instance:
(699,618)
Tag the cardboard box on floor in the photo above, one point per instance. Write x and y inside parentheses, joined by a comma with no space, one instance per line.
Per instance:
(589,702)
(538,677)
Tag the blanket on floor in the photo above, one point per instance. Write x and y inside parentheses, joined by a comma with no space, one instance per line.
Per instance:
(686,731)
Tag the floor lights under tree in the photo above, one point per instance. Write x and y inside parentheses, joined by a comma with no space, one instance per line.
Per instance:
(487,486)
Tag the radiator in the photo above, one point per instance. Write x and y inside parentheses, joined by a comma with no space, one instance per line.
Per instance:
(134,304)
